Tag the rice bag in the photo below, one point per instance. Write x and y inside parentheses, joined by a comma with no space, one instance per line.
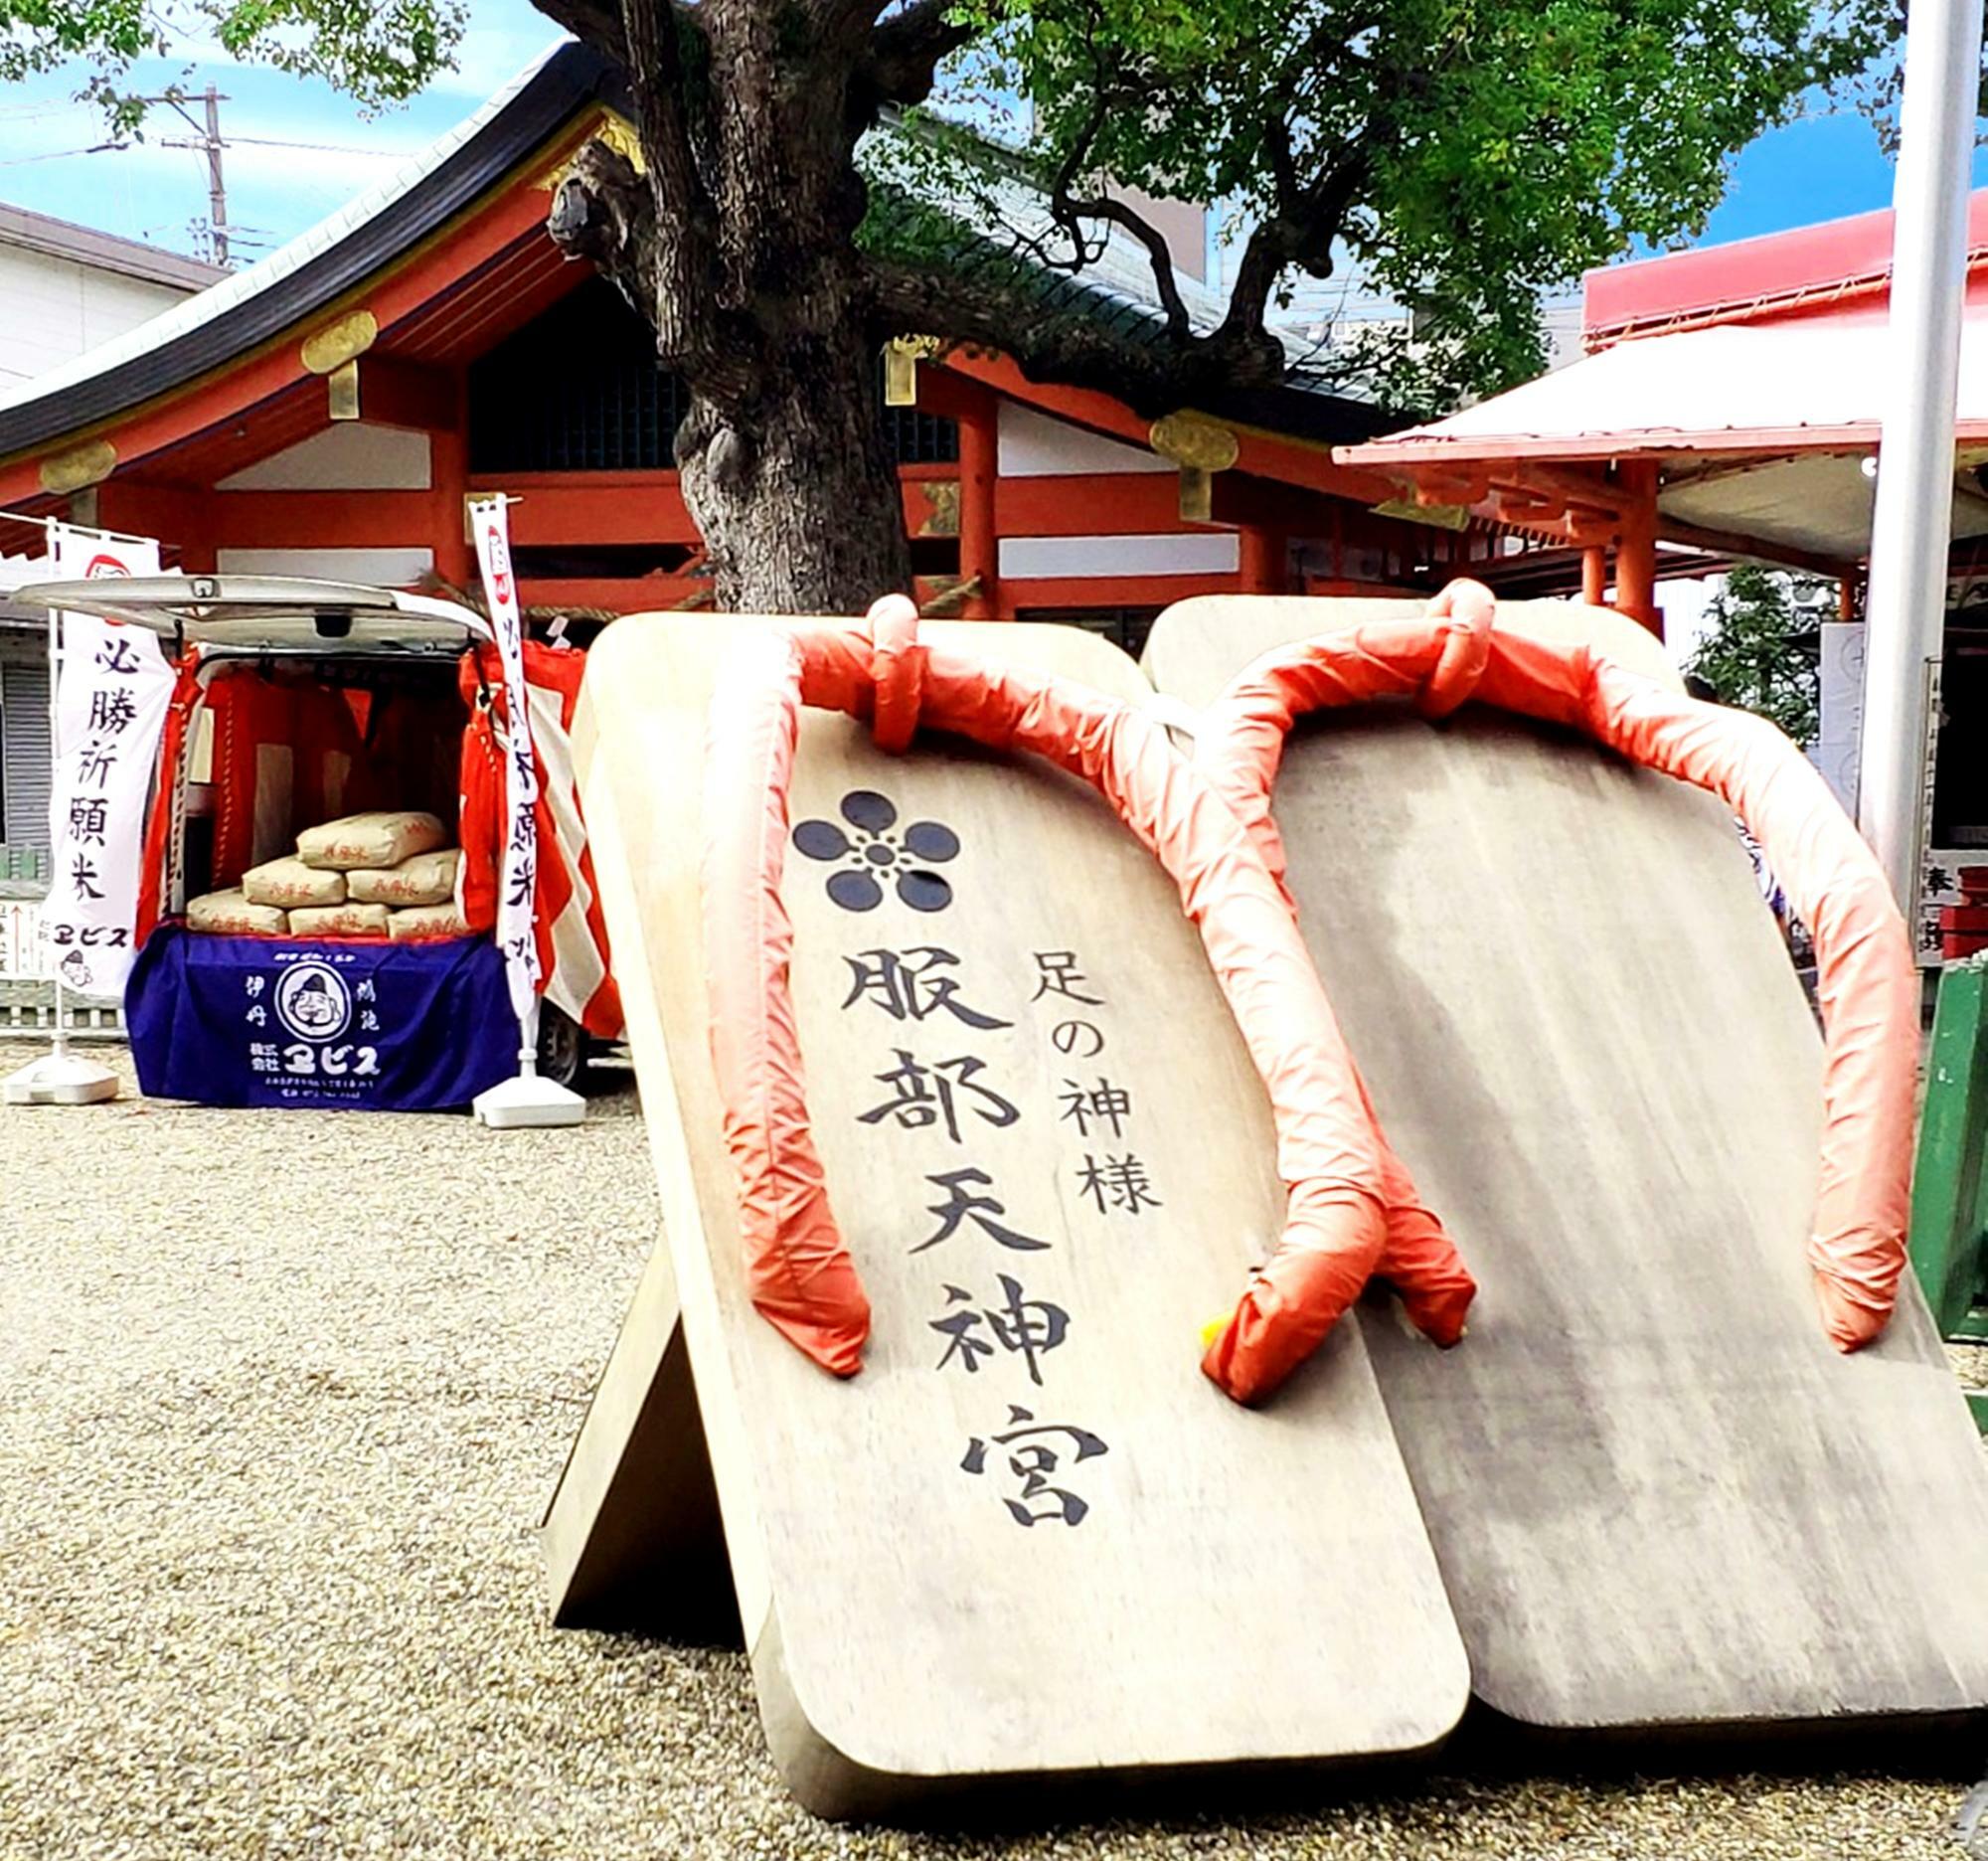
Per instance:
(425,879)
(418,922)
(229,913)
(290,882)
(374,840)
(346,920)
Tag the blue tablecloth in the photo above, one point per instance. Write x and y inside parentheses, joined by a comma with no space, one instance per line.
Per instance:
(273,1021)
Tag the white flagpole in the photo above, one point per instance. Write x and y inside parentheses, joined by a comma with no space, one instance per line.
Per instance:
(1906,610)
(60,1049)
(527,1100)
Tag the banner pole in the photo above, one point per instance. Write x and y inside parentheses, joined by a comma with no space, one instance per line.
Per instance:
(527,1100)
(55,761)
(88,530)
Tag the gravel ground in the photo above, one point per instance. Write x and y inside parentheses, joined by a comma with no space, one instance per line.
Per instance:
(281,1397)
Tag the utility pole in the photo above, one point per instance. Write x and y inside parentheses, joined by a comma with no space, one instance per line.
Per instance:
(209,144)
(217,188)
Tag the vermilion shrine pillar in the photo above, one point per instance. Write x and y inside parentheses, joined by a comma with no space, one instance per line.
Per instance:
(1636,545)
(448,455)
(1594,573)
(979,560)
(1262,554)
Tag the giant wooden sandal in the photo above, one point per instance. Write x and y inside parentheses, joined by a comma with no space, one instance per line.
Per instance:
(1661,1492)
(1012,1545)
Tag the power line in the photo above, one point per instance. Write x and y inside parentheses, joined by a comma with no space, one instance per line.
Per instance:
(324,148)
(208,142)
(100,148)
(199,146)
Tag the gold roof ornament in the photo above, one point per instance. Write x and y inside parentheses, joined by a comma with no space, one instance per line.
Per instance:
(79,468)
(342,391)
(1437,516)
(941,507)
(1201,447)
(902,356)
(1194,440)
(328,351)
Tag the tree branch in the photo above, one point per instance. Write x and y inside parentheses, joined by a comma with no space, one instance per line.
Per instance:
(1159,255)
(684,220)
(655,78)
(1002,312)
(1069,213)
(1327,203)
(606,214)
(1108,92)
(1300,231)
(1264,260)
(907,50)
(1283,165)
(1061,213)
(596,23)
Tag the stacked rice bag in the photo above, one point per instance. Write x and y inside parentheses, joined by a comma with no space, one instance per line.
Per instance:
(384,873)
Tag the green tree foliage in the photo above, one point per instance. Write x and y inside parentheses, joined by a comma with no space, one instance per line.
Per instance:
(1749,656)
(1467,155)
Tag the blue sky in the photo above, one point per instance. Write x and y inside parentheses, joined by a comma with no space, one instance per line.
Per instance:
(1817,168)
(152,192)
(1814,169)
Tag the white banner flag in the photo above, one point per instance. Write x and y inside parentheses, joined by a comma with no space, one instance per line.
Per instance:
(112,688)
(515,935)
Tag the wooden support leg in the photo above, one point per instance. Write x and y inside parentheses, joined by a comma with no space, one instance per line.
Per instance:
(632,1538)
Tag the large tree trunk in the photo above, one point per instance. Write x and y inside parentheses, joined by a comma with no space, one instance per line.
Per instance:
(736,239)
(796,495)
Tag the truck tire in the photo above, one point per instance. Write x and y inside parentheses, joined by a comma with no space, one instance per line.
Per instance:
(563,1046)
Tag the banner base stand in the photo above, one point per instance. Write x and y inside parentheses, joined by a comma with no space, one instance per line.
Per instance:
(528,1102)
(60,1079)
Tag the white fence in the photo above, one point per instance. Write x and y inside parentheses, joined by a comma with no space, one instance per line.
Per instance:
(27,981)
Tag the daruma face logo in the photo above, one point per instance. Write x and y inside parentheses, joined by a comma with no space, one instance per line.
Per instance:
(500,566)
(101,565)
(313,1002)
